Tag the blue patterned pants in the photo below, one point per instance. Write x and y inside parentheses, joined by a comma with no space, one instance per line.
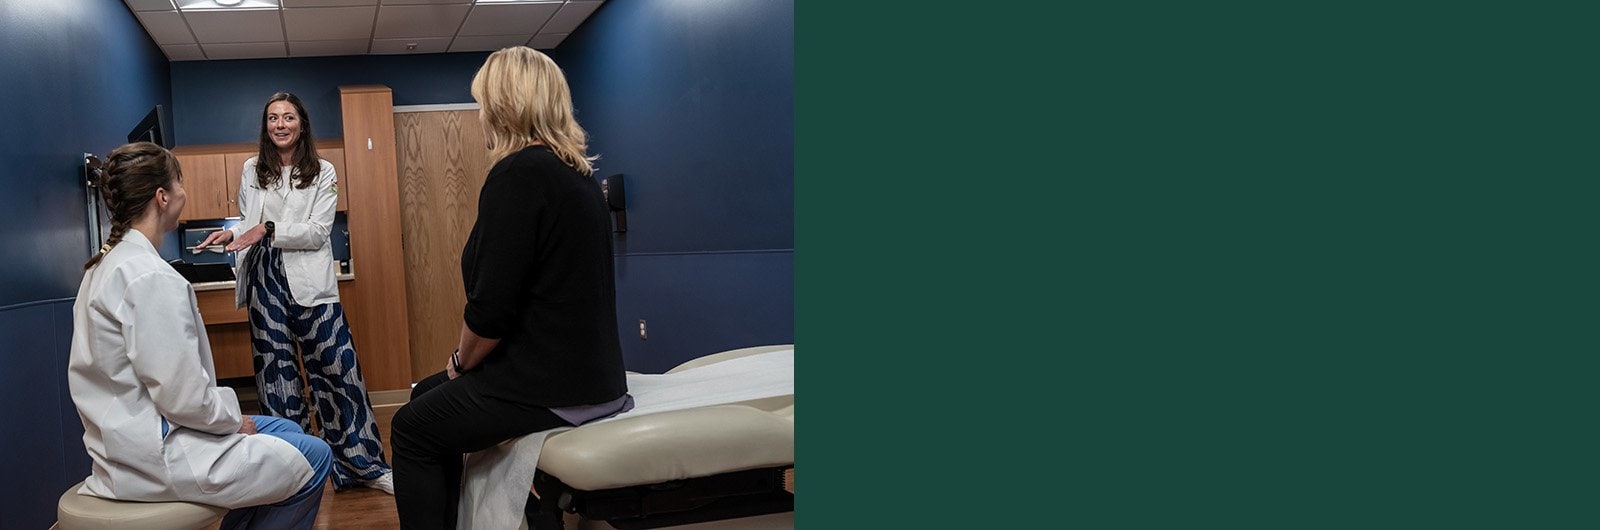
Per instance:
(278,327)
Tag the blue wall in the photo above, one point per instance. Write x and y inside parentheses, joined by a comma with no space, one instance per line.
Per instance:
(78,75)
(693,101)
(697,303)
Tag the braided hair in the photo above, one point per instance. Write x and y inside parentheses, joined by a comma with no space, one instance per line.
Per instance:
(129,179)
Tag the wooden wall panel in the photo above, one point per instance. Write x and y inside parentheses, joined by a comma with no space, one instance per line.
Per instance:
(442,164)
(375,301)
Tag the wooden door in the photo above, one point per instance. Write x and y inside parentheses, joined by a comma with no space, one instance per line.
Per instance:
(442,163)
(206,188)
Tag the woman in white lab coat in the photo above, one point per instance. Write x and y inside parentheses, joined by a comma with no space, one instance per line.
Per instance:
(156,425)
(287,195)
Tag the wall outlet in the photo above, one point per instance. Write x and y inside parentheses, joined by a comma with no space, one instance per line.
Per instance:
(643,335)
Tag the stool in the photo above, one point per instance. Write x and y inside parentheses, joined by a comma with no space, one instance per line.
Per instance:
(84,512)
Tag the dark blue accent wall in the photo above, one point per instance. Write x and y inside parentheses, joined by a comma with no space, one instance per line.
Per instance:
(78,75)
(220,102)
(42,450)
(693,101)
(699,303)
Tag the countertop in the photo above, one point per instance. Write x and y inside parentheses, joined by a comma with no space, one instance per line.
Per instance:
(213,286)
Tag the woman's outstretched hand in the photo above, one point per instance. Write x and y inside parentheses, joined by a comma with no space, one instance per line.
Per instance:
(249,237)
(215,238)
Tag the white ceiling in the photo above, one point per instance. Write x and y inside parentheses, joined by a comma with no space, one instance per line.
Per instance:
(199,30)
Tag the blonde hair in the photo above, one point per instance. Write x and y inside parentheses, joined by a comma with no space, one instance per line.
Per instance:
(524,98)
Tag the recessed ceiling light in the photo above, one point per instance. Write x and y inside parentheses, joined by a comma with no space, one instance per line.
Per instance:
(229,2)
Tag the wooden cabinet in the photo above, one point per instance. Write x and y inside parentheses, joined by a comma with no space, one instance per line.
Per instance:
(211,176)
(228,330)
(207,191)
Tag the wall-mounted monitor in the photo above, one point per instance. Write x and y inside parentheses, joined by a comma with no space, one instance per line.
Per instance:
(156,127)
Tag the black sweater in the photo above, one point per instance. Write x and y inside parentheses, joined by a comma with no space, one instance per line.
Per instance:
(538,274)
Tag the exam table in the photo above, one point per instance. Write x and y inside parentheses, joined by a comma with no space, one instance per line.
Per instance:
(705,463)
(672,468)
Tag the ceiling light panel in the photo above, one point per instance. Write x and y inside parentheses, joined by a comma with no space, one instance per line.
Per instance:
(212,5)
(420,2)
(328,3)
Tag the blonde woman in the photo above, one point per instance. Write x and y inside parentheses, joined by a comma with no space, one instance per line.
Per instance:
(538,346)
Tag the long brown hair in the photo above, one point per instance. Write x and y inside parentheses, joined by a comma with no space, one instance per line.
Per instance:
(130,177)
(306,163)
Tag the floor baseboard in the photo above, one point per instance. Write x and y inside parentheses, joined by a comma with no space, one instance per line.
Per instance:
(385,398)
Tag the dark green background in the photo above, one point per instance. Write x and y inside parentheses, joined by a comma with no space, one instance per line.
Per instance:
(1182,265)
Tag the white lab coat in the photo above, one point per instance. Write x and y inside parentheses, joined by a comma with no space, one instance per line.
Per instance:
(302,220)
(140,359)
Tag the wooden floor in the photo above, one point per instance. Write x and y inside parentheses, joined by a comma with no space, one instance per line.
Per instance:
(358,508)
(362,508)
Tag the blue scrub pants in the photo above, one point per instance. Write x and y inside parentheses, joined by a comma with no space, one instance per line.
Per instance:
(299,511)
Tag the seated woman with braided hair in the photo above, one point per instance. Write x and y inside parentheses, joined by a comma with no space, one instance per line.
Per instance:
(155,423)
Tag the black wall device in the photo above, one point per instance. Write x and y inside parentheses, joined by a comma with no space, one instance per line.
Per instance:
(155,128)
(616,200)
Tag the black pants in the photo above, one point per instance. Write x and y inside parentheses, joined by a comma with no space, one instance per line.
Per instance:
(445,419)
